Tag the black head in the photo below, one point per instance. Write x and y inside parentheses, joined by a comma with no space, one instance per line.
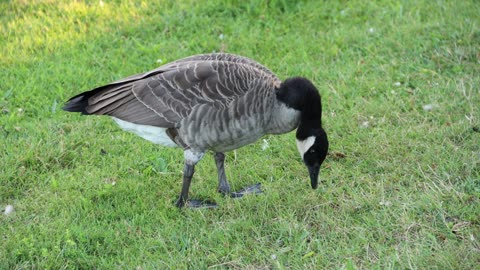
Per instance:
(313,151)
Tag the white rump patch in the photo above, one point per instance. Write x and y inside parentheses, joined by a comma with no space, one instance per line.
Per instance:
(156,135)
(304,145)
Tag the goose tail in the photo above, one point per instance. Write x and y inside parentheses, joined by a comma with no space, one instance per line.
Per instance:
(78,103)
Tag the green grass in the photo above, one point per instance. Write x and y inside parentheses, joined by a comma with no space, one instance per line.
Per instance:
(406,196)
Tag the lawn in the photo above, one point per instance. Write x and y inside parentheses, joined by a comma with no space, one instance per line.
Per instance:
(401,104)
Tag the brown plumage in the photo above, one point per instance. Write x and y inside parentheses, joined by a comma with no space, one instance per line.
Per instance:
(172,90)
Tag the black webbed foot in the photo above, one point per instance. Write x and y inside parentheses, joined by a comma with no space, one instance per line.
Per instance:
(254,189)
(199,204)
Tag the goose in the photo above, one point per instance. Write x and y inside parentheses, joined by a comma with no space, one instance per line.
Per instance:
(212,102)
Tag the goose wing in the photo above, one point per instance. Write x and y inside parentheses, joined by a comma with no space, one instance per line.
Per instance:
(164,96)
(224,57)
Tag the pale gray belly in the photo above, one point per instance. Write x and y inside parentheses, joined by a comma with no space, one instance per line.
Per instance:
(220,131)
(235,142)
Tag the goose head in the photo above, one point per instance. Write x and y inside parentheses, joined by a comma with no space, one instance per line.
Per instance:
(313,151)
(312,141)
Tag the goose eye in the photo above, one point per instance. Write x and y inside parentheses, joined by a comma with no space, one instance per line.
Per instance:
(312,151)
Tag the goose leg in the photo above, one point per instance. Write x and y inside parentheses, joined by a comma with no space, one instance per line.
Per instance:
(191,159)
(188,171)
(223,186)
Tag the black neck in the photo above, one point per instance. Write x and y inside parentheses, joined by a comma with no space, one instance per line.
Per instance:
(300,94)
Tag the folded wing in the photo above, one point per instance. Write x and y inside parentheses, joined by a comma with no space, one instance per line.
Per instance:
(166,95)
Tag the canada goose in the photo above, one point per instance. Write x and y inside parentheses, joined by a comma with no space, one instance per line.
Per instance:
(216,102)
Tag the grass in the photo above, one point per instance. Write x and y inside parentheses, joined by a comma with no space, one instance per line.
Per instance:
(399,82)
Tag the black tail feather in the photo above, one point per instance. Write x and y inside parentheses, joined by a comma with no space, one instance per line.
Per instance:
(76,104)
(79,103)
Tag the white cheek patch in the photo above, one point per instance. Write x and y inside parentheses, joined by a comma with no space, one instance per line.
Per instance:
(304,145)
